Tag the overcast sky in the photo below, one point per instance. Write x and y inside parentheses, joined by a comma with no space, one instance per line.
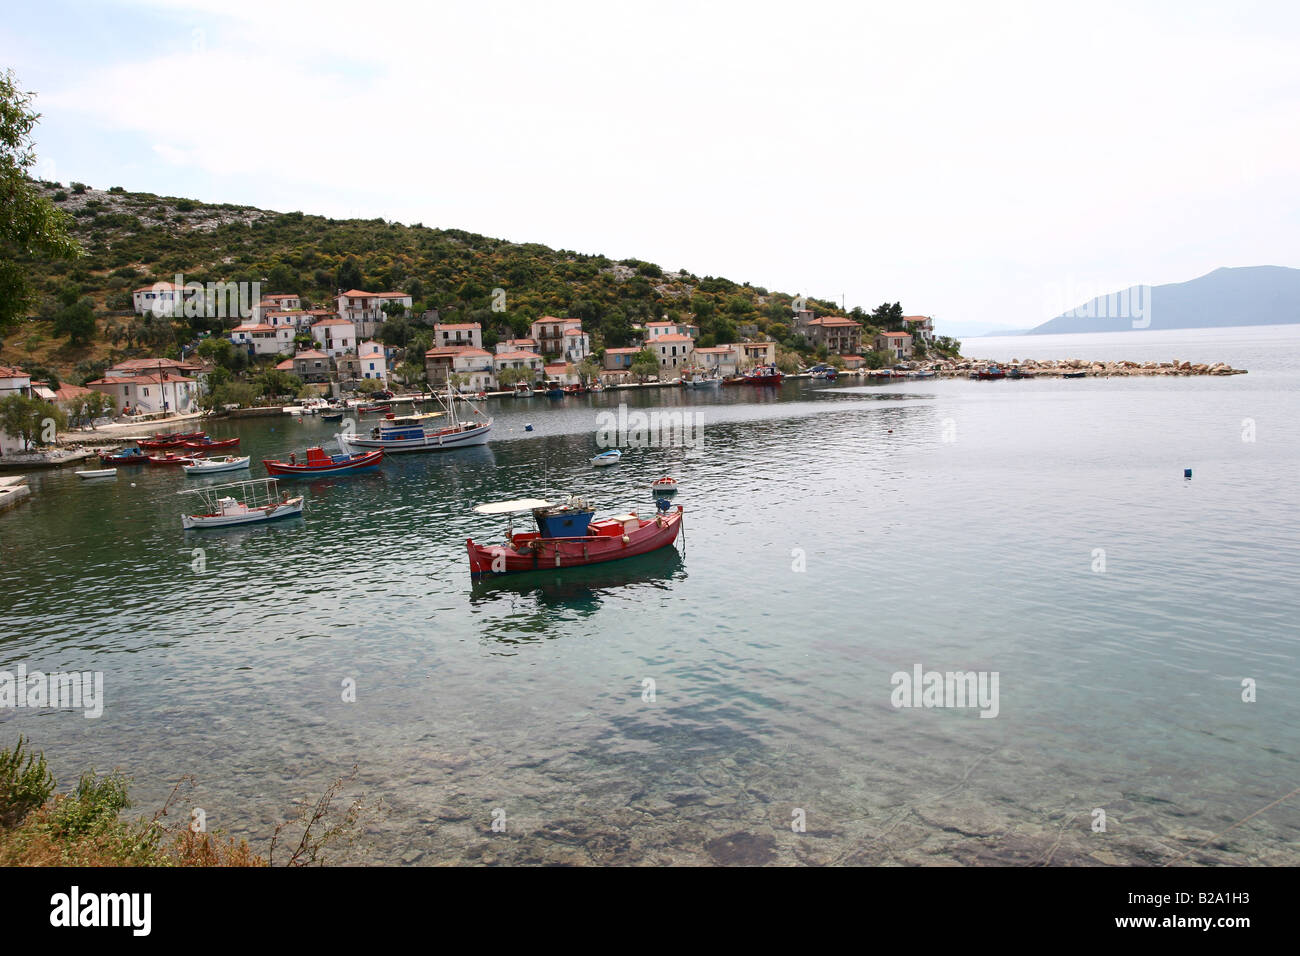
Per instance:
(990,164)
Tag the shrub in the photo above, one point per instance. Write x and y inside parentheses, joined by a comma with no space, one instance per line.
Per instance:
(25,783)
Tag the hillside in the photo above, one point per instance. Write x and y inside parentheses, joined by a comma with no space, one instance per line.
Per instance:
(1253,295)
(135,239)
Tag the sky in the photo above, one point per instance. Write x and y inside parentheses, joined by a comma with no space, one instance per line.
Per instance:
(990,164)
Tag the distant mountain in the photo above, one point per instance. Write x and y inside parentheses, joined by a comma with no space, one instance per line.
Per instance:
(1251,295)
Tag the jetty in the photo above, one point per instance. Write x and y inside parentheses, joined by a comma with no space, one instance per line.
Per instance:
(13,490)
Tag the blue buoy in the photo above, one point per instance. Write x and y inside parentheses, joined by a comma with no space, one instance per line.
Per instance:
(529,428)
(1187,472)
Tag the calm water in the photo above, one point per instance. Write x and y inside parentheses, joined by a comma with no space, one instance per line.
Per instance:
(948,524)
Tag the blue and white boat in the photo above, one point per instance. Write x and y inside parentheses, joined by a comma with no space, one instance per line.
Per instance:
(418,433)
(607,458)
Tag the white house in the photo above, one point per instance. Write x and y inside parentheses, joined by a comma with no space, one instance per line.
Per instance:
(672,349)
(477,367)
(161,298)
(549,334)
(655,329)
(458,335)
(366,309)
(577,345)
(520,359)
(13,381)
(517,345)
(151,394)
(922,327)
(264,339)
(724,358)
(336,335)
(373,361)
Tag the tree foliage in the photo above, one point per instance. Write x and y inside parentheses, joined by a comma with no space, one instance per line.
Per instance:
(30,225)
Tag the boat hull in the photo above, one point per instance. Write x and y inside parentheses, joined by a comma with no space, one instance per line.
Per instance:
(549,553)
(400,446)
(200,468)
(284,509)
(362,462)
(98,473)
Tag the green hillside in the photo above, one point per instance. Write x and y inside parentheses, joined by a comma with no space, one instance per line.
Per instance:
(134,239)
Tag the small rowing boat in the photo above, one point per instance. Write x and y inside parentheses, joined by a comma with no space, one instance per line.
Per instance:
(665,485)
(607,458)
(215,466)
(98,473)
(128,456)
(208,444)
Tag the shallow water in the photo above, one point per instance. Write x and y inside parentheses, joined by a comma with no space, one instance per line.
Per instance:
(834,535)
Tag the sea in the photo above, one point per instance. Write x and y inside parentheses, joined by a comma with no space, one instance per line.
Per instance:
(915,623)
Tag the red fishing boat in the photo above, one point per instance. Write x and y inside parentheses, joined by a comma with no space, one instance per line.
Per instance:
(764,375)
(158,444)
(317,462)
(372,409)
(566,536)
(208,444)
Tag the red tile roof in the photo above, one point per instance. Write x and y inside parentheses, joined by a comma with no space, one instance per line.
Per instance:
(309,354)
(337,320)
(837,320)
(672,337)
(896,335)
(518,355)
(463,326)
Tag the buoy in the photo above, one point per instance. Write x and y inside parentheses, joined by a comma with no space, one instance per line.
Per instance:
(528,428)
(1187,472)
(133,484)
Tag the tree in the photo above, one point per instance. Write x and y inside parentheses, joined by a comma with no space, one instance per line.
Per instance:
(888,317)
(510,377)
(77,322)
(30,225)
(368,386)
(348,276)
(272,382)
(588,369)
(645,364)
(31,419)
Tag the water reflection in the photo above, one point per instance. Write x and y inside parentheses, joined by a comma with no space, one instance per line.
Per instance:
(575,591)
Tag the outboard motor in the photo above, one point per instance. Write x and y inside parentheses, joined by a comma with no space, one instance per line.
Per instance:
(663,504)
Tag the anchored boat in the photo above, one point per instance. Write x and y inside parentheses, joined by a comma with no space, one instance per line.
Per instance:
(317,462)
(567,536)
(607,458)
(215,466)
(764,375)
(262,502)
(417,433)
(129,456)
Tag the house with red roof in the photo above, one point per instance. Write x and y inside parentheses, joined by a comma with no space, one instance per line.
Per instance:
(834,332)
(672,348)
(311,365)
(366,309)
(921,326)
(898,343)
(458,334)
(335,335)
(561,337)
(151,394)
(262,339)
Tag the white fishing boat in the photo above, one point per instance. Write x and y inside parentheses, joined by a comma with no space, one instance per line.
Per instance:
(262,501)
(607,458)
(701,378)
(98,473)
(665,485)
(215,466)
(418,433)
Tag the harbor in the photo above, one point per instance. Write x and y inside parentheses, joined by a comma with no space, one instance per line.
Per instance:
(528,691)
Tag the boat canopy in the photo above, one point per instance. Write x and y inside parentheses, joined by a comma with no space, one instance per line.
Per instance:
(511,507)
